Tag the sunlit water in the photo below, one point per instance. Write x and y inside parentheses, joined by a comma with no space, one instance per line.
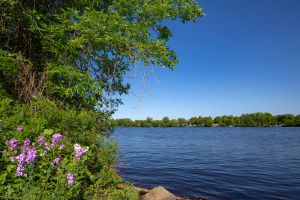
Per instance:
(213,163)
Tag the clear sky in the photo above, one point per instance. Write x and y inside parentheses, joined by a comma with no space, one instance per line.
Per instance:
(242,57)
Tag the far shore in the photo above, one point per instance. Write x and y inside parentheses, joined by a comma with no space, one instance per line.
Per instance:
(206,127)
(245,120)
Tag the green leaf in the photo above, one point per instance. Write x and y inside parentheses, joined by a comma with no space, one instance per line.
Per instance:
(3,177)
(48,132)
(10,167)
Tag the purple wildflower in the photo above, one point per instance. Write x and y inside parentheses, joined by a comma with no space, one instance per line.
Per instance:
(56,139)
(47,146)
(4,151)
(31,155)
(19,128)
(26,143)
(70,178)
(20,170)
(41,140)
(13,144)
(21,158)
(27,156)
(79,151)
(56,161)
(62,146)
(21,164)
(12,158)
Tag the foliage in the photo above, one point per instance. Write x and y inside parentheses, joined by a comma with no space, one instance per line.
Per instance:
(245,120)
(44,174)
(77,52)
(79,126)
(88,128)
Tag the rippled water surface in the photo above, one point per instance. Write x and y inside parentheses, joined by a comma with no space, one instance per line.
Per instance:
(213,163)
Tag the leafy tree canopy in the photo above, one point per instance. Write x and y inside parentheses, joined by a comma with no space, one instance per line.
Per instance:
(76,52)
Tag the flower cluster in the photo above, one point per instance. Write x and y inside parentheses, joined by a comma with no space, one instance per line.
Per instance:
(26,144)
(41,140)
(19,128)
(70,178)
(79,151)
(61,147)
(47,147)
(13,144)
(27,156)
(56,161)
(26,153)
(56,139)
(31,155)
(21,165)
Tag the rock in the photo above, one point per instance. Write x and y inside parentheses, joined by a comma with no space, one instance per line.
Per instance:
(181,198)
(141,191)
(158,193)
(121,186)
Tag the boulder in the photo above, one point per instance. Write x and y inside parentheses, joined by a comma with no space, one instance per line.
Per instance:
(141,191)
(158,193)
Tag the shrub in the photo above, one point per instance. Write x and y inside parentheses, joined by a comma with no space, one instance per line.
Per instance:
(42,164)
(45,176)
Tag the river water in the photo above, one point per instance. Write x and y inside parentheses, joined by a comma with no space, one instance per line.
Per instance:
(213,163)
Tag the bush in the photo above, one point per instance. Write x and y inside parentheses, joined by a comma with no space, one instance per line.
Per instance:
(81,126)
(45,174)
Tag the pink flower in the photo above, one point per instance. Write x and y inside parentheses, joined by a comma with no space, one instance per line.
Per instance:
(13,144)
(26,143)
(19,128)
(70,178)
(41,140)
(56,139)
(79,151)
(21,164)
(46,144)
(61,147)
(56,161)
(31,155)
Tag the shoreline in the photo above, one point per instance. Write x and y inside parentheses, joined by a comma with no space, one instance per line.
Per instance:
(206,127)
(156,193)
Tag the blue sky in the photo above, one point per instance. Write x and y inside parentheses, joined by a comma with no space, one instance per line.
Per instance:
(242,57)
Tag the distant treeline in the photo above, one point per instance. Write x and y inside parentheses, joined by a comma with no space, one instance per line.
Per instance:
(245,120)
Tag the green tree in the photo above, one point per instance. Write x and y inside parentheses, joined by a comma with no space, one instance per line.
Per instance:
(286,120)
(208,122)
(297,120)
(165,122)
(227,120)
(194,121)
(247,120)
(218,120)
(77,52)
(236,121)
(156,123)
(182,122)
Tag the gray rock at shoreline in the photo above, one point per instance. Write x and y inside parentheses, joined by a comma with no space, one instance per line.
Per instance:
(158,193)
